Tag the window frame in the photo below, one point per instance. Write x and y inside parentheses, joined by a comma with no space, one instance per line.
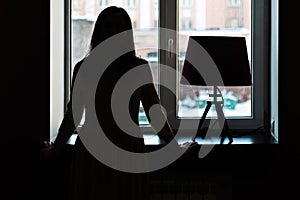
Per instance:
(261,26)
(260,68)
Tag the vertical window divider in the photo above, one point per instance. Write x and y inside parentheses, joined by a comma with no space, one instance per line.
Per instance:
(67,52)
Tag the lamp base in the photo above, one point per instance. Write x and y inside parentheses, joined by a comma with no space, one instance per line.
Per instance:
(225,130)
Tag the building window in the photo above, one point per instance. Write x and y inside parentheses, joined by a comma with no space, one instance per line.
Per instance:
(134,24)
(131,3)
(155,23)
(155,3)
(234,3)
(103,3)
(232,23)
(186,24)
(186,3)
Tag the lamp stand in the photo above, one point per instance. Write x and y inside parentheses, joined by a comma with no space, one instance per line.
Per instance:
(225,130)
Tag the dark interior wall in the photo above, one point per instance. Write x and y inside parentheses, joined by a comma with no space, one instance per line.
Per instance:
(25,79)
(289,162)
(25,73)
(289,78)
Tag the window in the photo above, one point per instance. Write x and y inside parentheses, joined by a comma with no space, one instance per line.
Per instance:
(156,23)
(155,3)
(244,107)
(186,24)
(248,107)
(238,100)
(134,24)
(186,3)
(131,3)
(232,23)
(234,3)
(103,3)
(145,34)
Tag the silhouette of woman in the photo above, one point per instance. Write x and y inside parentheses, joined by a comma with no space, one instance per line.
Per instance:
(90,179)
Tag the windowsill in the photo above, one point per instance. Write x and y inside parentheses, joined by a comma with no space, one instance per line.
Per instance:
(254,138)
(242,153)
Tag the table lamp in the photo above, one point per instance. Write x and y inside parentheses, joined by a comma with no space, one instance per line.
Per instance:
(229,56)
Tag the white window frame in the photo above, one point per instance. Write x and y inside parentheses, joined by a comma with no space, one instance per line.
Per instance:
(57,61)
(60,65)
(274,69)
(260,59)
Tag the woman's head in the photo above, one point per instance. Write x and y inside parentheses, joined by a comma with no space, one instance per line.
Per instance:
(111,21)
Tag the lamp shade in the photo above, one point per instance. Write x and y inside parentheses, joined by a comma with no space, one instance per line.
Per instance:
(229,55)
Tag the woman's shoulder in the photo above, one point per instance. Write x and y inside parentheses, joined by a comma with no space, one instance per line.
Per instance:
(77,67)
(78,64)
(141,61)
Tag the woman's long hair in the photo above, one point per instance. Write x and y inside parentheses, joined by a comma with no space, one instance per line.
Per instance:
(100,34)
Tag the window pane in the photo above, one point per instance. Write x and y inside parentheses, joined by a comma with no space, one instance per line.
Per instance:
(144,22)
(213,18)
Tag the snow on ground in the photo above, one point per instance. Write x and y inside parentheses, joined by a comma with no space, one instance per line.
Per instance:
(241,110)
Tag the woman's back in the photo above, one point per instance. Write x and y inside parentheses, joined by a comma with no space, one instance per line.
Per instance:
(90,178)
(103,101)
